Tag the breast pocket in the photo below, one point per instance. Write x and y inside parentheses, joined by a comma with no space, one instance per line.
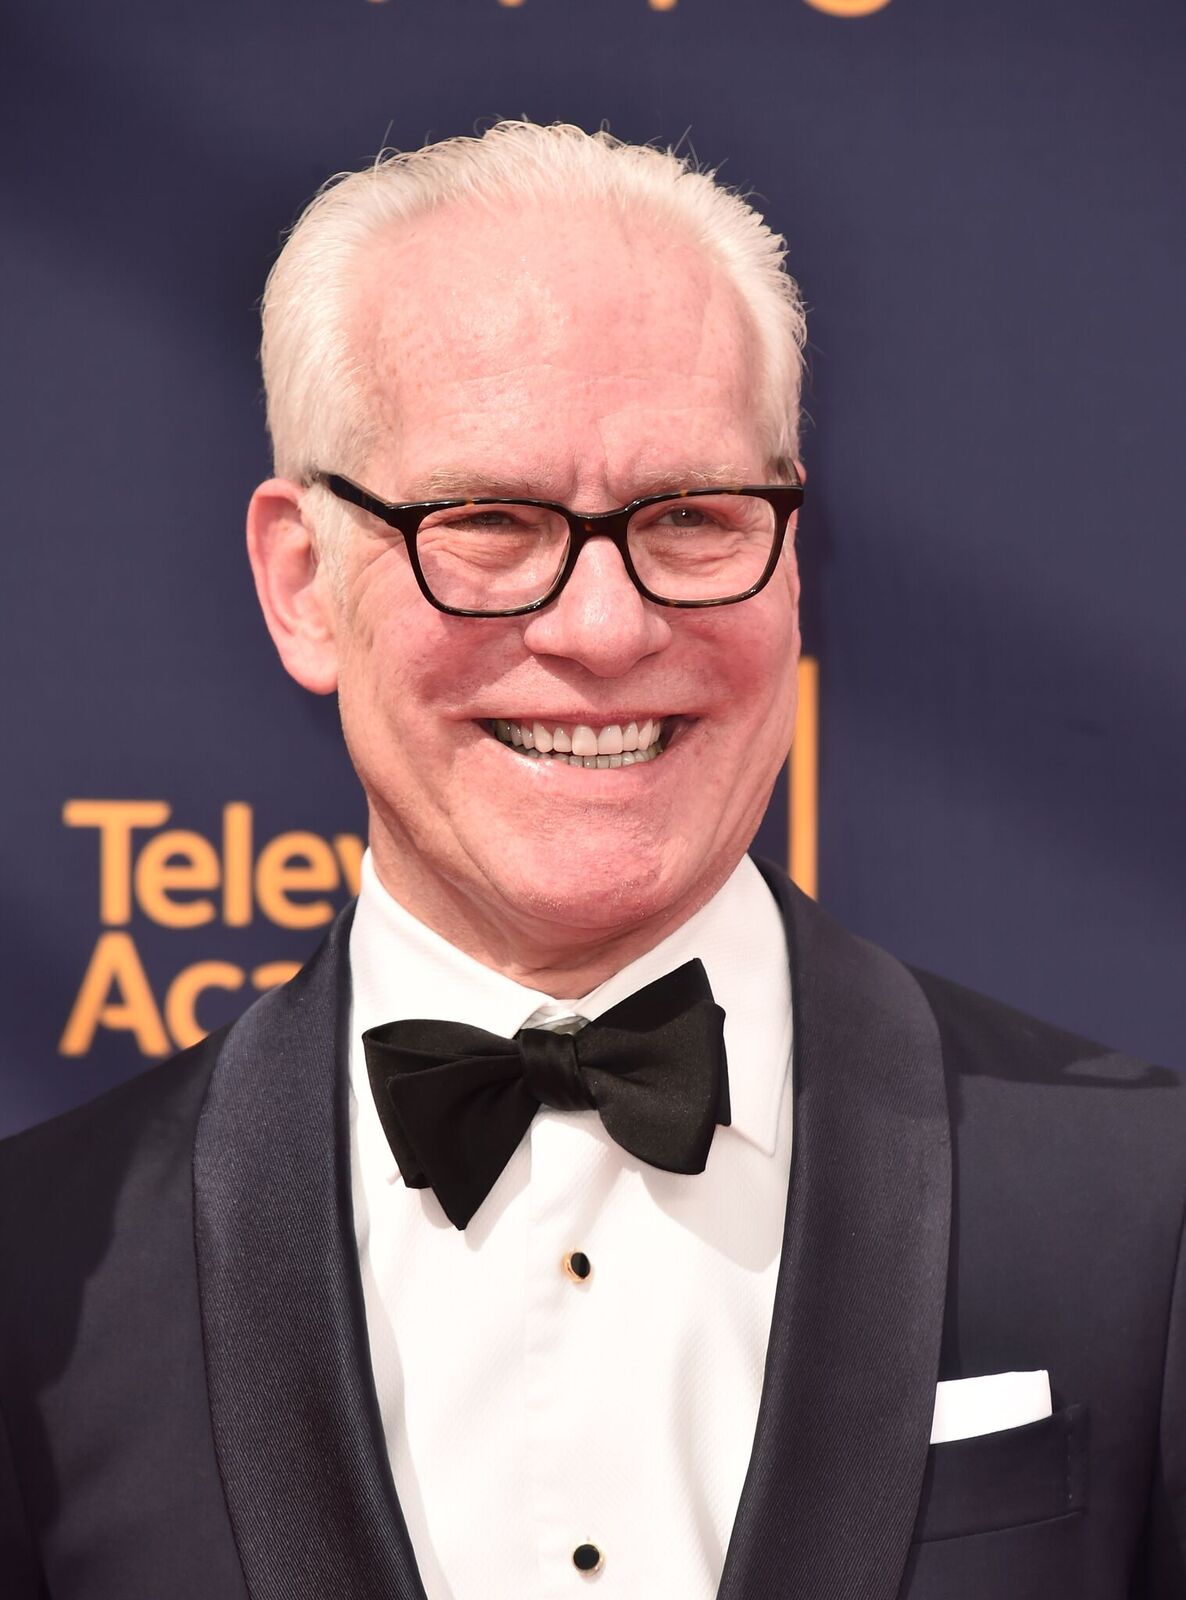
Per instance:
(1007,1479)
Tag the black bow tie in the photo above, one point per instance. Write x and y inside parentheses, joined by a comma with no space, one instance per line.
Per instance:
(455,1101)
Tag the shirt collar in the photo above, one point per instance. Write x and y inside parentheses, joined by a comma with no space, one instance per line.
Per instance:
(400,968)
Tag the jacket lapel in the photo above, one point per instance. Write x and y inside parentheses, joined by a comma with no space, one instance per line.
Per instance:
(296,1423)
(841,1442)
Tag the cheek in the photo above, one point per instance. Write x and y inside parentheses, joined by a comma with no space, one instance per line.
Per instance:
(411,678)
(384,676)
(759,662)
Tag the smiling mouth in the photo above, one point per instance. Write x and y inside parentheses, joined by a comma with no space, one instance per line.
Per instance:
(613,744)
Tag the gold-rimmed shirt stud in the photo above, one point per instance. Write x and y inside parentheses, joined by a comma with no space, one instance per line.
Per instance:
(587,1559)
(577,1266)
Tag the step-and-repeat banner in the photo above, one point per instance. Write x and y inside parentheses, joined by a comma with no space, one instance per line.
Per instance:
(984,204)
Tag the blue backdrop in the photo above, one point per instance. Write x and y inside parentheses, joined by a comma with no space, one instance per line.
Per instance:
(984,207)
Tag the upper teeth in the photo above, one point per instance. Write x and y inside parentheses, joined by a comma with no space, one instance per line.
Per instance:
(614,739)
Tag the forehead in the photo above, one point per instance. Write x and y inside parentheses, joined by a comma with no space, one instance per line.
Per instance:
(557,331)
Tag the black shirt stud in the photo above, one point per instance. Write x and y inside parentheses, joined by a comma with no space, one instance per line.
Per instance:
(587,1558)
(578,1266)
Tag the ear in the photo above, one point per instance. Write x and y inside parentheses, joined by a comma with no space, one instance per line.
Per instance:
(293,587)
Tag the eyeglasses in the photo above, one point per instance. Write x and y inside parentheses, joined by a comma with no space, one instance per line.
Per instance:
(502,558)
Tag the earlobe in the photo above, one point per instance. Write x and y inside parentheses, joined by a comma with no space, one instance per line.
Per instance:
(293,587)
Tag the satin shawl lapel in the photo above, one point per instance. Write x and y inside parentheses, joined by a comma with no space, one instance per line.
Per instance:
(841,1442)
(296,1423)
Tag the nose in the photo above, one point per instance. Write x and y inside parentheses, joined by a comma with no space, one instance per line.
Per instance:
(599,619)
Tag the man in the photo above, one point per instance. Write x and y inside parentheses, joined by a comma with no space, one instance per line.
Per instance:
(470,1263)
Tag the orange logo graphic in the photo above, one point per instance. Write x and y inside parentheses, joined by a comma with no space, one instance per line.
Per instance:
(834,8)
(177,878)
(848,8)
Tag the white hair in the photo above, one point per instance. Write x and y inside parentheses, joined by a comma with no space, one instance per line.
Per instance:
(315,378)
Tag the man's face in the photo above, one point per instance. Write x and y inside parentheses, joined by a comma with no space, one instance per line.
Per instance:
(588,359)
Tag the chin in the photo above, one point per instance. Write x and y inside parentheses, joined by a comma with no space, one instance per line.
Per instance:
(592,891)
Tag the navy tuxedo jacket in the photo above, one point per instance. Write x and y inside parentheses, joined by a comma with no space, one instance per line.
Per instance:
(186,1404)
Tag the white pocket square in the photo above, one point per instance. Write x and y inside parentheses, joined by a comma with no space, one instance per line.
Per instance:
(967,1407)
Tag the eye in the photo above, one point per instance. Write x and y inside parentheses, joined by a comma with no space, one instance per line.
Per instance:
(486,519)
(704,515)
(684,515)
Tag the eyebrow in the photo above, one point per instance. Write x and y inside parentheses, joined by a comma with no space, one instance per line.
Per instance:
(449,483)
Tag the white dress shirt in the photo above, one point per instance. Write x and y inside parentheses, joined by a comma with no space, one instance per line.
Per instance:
(527,1412)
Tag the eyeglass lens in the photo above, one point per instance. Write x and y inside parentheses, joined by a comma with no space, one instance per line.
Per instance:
(497,557)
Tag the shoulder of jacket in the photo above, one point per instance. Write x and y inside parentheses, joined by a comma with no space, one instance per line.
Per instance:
(168,1095)
(987,1039)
